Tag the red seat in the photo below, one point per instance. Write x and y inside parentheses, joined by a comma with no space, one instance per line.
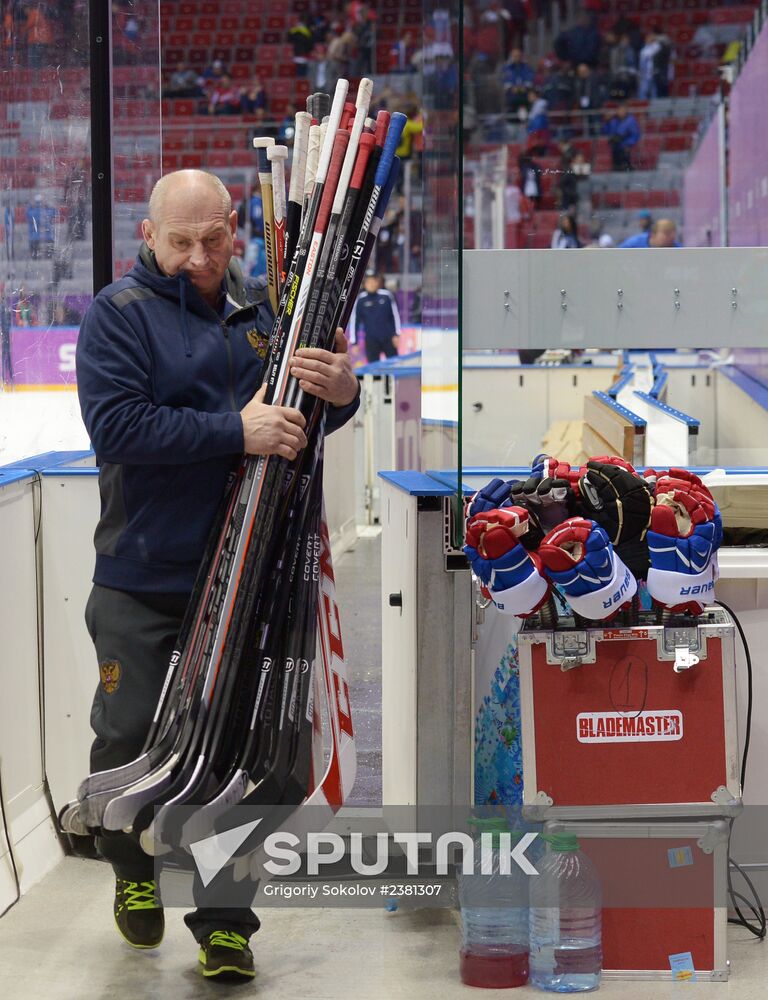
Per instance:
(183,107)
(191,161)
(634,199)
(222,38)
(677,143)
(218,158)
(538,241)
(221,140)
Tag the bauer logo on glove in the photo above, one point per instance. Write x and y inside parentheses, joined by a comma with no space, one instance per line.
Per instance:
(579,557)
(511,575)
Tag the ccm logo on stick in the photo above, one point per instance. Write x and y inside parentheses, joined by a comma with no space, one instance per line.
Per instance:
(660,726)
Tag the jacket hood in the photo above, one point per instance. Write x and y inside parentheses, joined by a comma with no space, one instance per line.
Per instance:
(180,289)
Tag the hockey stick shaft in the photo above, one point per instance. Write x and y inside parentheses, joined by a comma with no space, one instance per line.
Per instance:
(265,182)
(296,188)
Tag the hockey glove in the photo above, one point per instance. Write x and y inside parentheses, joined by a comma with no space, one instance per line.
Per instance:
(685,534)
(551,499)
(580,558)
(511,575)
(620,501)
(494,495)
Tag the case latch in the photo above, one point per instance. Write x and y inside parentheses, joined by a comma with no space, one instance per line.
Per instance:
(570,649)
(684,659)
(684,645)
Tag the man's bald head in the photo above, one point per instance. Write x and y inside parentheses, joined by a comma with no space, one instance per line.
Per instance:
(663,233)
(191,228)
(186,185)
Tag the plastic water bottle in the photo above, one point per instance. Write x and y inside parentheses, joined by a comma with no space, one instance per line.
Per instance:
(565,920)
(494,915)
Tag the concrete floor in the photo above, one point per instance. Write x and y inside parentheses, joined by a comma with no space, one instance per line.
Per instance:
(59,942)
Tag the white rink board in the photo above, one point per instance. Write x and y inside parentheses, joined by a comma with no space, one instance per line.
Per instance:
(35,846)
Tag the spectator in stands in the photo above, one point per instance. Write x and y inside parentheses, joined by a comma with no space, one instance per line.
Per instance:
(623,133)
(184,82)
(517,26)
(644,220)
(589,95)
(495,16)
(224,98)
(76,199)
(39,34)
(413,128)
(302,39)
(517,77)
(401,54)
(41,219)
(255,215)
(623,69)
(566,236)
(443,83)
(6,316)
(339,55)
(558,88)
(662,63)
(215,72)
(538,124)
(655,66)
(580,44)
(662,234)
(530,179)
(9,233)
(626,26)
(573,168)
(253,99)
(363,29)
(391,236)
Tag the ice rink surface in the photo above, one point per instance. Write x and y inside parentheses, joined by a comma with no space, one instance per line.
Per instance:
(33,422)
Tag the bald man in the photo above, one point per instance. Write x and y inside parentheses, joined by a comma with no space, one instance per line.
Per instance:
(169,364)
(662,234)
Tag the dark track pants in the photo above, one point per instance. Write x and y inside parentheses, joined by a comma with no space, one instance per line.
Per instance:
(134,636)
(376,346)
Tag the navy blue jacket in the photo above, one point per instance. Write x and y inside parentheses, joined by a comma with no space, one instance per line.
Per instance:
(377,314)
(161,378)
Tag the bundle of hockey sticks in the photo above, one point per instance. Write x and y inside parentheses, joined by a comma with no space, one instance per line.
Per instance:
(237,719)
(591,534)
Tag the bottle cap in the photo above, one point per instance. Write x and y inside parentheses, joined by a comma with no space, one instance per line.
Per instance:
(563,842)
(489,824)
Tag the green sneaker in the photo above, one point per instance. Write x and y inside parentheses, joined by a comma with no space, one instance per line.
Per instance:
(138,913)
(225,952)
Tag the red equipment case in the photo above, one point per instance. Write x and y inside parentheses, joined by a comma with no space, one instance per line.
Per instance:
(629,722)
(664,889)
